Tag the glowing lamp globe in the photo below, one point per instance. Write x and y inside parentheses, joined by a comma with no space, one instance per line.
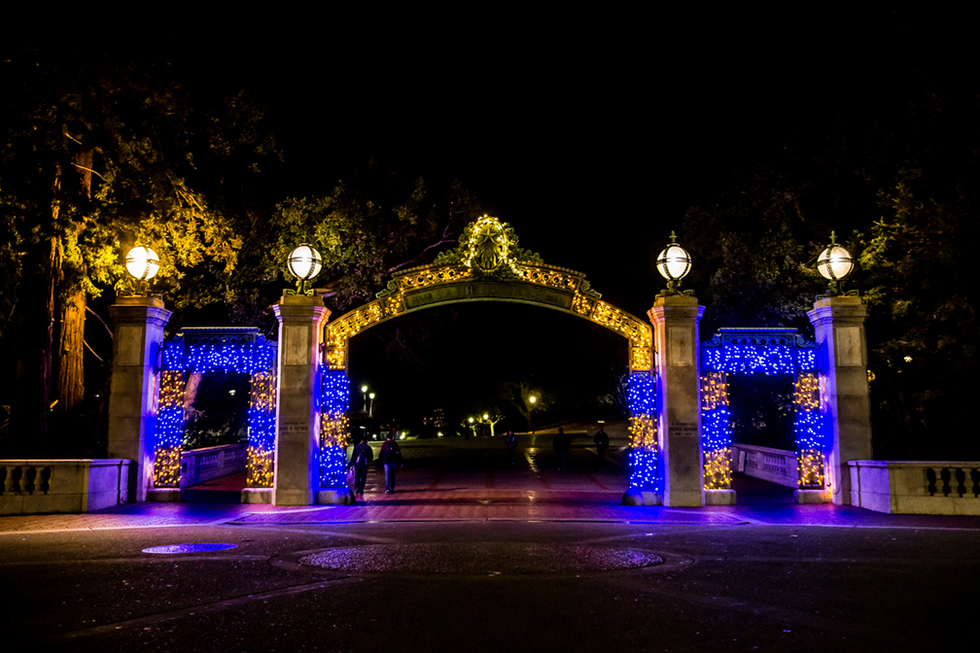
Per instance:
(673,263)
(304,262)
(142,263)
(835,263)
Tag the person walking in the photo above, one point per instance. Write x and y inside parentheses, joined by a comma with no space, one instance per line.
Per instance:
(561,444)
(391,458)
(511,441)
(360,458)
(601,440)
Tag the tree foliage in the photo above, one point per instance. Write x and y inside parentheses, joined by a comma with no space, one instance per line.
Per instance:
(369,226)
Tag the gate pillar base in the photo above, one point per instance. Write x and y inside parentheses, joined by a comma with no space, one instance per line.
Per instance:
(635,497)
(719,497)
(813,496)
(257,495)
(164,495)
(335,496)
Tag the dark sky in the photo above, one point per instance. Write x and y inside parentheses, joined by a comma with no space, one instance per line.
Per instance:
(591,131)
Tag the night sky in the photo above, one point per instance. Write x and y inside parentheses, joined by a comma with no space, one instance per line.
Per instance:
(590,131)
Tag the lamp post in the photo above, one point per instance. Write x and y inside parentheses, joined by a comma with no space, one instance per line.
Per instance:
(838,322)
(364,390)
(304,263)
(371,409)
(673,264)
(834,263)
(138,322)
(672,464)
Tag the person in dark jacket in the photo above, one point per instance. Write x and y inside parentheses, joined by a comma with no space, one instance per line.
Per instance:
(561,445)
(360,458)
(391,458)
(601,440)
(511,442)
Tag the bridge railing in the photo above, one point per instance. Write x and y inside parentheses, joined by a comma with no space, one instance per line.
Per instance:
(915,487)
(75,485)
(773,465)
(200,465)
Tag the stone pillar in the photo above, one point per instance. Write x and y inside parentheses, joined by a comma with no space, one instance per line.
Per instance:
(675,320)
(297,469)
(134,386)
(839,324)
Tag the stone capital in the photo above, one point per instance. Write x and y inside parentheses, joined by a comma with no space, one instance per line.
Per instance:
(140,310)
(668,308)
(301,308)
(838,310)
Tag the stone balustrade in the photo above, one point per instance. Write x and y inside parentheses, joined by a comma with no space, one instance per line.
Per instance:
(77,485)
(916,488)
(773,465)
(200,465)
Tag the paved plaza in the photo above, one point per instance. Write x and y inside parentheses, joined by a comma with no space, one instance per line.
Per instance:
(473,554)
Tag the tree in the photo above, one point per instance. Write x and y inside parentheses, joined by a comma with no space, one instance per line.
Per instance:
(897,175)
(97,156)
(919,260)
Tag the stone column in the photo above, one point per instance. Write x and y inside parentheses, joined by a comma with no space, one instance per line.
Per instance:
(297,468)
(134,386)
(839,324)
(675,320)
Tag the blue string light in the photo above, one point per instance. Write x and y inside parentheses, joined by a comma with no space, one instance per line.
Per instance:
(644,460)
(334,400)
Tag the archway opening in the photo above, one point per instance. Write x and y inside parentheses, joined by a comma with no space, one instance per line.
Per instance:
(434,370)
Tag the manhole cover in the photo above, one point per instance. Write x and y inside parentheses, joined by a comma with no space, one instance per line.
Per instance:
(483,558)
(189,548)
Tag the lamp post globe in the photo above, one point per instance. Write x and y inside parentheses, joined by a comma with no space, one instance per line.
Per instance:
(304,263)
(142,263)
(834,263)
(673,264)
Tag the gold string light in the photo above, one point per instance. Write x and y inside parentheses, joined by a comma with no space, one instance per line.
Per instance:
(643,432)
(718,469)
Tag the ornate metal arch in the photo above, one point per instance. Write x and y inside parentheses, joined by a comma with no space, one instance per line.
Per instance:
(487,266)
(505,278)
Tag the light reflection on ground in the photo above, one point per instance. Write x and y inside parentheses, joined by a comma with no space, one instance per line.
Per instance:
(188,548)
(485,558)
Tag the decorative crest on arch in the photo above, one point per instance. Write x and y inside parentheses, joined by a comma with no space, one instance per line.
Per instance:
(488,247)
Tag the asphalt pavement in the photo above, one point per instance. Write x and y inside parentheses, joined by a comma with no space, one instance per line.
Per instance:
(472,553)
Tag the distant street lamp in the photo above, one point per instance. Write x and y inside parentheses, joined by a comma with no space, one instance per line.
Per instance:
(304,263)
(673,264)
(371,409)
(364,390)
(530,412)
(834,263)
(142,263)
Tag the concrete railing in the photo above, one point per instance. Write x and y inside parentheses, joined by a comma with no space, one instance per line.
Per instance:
(42,486)
(773,465)
(916,488)
(199,465)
